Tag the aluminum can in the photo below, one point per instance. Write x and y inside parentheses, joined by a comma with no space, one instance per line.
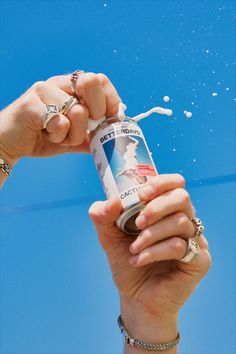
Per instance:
(124,163)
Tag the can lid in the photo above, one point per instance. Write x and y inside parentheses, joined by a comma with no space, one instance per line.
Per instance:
(126,221)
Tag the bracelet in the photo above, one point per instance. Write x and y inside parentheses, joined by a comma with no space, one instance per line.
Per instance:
(146,346)
(5,167)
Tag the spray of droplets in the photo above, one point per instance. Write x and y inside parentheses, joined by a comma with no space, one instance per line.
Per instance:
(188,114)
(166,98)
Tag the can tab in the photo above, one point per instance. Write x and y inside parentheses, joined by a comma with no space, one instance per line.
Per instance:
(93,124)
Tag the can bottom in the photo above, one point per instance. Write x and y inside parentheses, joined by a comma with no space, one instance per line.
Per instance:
(126,221)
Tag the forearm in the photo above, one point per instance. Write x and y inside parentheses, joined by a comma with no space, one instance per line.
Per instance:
(148,328)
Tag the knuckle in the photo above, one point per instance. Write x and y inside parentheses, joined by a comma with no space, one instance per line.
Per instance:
(53,79)
(79,111)
(103,78)
(155,183)
(145,235)
(148,253)
(178,246)
(180,179)
(27,104)
(57,126)
(38,86)
(150,210)
(182,221)
(183,195)
(88,80)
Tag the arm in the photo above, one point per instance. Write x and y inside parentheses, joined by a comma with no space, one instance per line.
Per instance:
(27,130)
(152,281)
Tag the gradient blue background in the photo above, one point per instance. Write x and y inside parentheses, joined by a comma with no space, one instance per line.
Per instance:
(57,295)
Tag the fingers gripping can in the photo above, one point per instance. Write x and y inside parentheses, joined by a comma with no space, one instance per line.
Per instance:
(124,163)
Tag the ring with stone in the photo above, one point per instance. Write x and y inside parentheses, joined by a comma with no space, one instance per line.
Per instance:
(199,228)
(74,77)
(51,111)
(192,251)
(68,104)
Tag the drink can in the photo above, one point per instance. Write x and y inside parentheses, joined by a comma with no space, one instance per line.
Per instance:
(124,163)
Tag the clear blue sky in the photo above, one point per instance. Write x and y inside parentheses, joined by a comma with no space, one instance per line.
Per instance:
(57,295)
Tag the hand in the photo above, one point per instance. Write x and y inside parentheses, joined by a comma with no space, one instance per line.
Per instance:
(153,284)
(21,123)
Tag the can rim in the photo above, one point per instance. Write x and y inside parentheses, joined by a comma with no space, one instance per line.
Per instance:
(126,215)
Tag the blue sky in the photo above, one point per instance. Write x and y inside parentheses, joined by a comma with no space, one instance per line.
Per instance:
(57,295)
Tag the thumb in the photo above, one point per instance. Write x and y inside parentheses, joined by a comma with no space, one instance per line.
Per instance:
(104,215)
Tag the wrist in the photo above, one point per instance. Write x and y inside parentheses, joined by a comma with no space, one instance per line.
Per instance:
(7,159)
(147,327)
(9,135)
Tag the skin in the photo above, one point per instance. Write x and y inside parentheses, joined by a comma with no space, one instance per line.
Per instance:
(21,123)
(152,283)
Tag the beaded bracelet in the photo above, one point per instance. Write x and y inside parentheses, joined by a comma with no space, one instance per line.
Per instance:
(146,346)
(5,167)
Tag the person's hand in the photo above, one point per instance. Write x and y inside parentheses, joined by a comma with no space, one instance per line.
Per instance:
(21,123)
(153,284)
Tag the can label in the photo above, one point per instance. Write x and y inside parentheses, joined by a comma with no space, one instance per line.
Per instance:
(123,161)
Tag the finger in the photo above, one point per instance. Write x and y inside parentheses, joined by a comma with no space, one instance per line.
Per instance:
(78,116)
(177,224)
(48,148)
(89,88)
(111,95)
(198,266)
(177,200)
(63,82)
(58,125)
(173,248)
(159,185)
(112,98)
(203,243)
(104,214)
(73,125)
(57,128)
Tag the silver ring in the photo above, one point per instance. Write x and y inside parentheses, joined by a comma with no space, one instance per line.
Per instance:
(69,103)
(74,77)
(51,111)
(199,228)
(192,251)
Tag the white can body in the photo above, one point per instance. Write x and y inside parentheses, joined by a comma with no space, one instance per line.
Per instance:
(122,159)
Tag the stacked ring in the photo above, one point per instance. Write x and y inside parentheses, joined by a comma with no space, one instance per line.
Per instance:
(192,251)
(69,103)
(193,247)
(199,228)
(74,77)
(51,111)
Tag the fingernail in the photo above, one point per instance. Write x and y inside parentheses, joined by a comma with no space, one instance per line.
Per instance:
(141,222)
(133,260)
(145,191)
